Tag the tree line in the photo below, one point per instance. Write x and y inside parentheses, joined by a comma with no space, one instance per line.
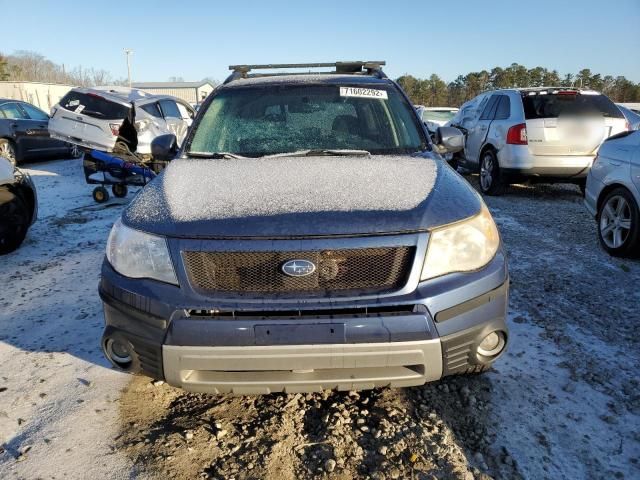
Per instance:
(29,66)
(432,92)
(435,92)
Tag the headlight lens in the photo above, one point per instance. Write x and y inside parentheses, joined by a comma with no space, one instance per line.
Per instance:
(462,247)
(136,254)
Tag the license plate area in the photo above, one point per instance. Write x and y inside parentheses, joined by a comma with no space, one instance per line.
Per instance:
(297,334)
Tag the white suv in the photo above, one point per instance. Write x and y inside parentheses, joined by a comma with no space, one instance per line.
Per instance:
(97,118)
(543,134)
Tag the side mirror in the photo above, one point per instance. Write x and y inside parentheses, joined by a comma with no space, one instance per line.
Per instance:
(164,147)
(449,139)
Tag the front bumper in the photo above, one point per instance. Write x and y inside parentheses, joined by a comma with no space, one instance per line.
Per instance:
(302,368)
(397,341)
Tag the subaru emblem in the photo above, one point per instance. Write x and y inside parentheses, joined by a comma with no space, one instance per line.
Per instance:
(298,268)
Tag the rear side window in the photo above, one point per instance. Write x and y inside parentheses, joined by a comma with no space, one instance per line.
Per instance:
(34,113)
(93,106)
(12,111)
(152,109)
(489,110)
(170,109)
(504,108)
(185,113)
(553,105)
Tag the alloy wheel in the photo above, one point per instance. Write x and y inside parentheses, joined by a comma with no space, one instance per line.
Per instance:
(486,172)
(615,221)
(74,151)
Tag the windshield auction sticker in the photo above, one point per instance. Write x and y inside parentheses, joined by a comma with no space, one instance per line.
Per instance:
(363,92)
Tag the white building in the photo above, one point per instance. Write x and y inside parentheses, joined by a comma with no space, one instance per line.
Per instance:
(42,95)
(191,92)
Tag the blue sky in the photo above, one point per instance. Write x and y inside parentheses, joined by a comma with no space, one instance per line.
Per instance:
(195,39)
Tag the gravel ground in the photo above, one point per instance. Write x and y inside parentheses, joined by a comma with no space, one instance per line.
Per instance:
(563,402)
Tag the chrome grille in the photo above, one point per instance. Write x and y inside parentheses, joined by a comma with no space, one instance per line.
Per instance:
(365,269)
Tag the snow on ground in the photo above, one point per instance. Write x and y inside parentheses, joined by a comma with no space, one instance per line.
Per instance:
(562,403)
(58,405)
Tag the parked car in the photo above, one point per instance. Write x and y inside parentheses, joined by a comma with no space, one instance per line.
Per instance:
(633,118)
(18,206)
(540,134)
(308,237)
(24,134)
(435,117)
(99,118)
(613,194)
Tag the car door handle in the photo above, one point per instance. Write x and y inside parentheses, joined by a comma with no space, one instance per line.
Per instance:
(14,125)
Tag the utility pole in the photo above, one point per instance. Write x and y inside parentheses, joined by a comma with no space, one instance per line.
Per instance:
(128,53)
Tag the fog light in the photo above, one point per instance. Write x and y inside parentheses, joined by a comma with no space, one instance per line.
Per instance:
(118,352)
(492,344)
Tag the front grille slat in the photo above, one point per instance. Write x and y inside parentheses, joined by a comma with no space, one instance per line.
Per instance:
(366,269)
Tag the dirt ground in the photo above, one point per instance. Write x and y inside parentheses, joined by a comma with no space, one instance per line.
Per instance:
(563,401)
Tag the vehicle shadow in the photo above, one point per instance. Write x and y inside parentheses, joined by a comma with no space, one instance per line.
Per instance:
(532,191)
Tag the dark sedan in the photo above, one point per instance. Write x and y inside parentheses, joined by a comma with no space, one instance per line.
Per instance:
(24,133)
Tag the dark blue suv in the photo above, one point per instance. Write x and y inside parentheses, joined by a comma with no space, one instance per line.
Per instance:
(307,235)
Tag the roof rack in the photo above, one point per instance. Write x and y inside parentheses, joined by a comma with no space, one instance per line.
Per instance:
(371,67)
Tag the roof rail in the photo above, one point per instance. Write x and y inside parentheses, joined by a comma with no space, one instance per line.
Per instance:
(341,68)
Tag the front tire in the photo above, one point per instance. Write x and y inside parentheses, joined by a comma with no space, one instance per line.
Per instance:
(490,177)
(619,224)
(14,221)
(8,151)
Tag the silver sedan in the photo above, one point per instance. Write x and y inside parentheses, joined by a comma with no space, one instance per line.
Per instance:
(613,194)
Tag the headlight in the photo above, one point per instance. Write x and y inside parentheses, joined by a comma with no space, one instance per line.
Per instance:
(136,254)
(461,247)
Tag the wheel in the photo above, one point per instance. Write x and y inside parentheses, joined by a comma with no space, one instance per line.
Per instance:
(619,223)
(100,194)
(120,190)
(75,151)
(8,151)
(14,221)
(490,180)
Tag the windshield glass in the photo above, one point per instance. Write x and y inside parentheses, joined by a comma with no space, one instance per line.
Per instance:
(555,105)
(437,115)
(268,120)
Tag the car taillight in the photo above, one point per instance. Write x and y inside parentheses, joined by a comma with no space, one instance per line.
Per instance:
(115,129)
(517,135)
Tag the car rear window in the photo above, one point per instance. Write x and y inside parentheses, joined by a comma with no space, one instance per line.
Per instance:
(94,106)
(553,105)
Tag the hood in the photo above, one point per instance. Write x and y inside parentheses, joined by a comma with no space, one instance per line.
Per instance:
(301,196)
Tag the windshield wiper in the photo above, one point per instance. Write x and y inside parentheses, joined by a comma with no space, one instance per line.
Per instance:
(318,152)
(214,155)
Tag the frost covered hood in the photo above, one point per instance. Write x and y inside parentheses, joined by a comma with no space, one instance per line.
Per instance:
(300,196)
